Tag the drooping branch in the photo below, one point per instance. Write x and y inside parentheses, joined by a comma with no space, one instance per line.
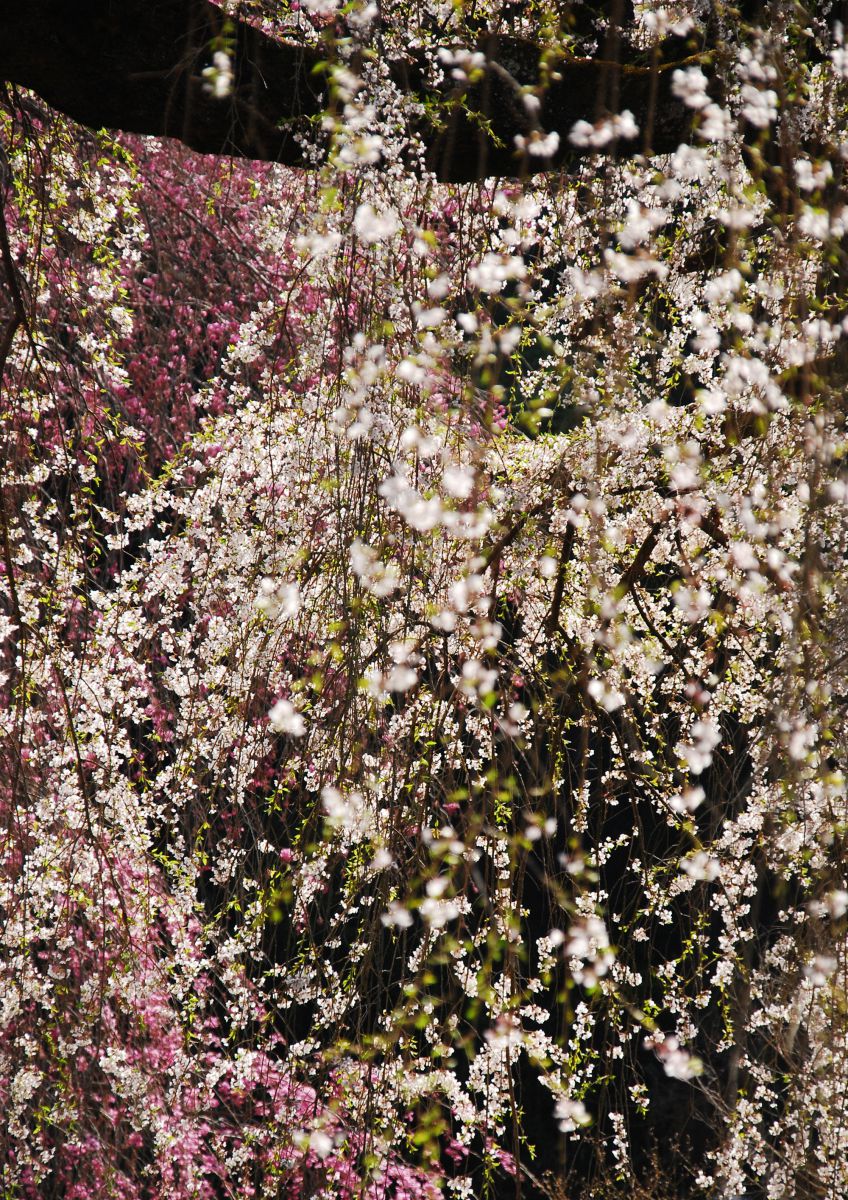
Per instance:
(578,90)
(138,66)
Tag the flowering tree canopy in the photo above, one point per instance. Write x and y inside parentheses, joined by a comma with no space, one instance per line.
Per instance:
(423,601)
(144,67)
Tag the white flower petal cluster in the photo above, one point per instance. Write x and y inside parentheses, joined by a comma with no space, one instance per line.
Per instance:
(372,226)
(621,127)
(285,718)
(378,578)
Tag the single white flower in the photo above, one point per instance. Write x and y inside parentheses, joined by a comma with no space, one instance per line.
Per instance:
(571,1114)
(538,144)
(285,718)
(371,226)
(477,680)
(397,916)
(320,1142)
(701,866)
(690,86)
(458,481)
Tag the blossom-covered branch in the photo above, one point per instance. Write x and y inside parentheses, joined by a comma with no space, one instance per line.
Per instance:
(181,69)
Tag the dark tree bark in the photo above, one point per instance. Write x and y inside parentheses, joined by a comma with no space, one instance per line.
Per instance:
(136,65)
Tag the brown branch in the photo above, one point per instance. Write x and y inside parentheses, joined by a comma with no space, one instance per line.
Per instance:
(552,619)
(634,572)
(136,66)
